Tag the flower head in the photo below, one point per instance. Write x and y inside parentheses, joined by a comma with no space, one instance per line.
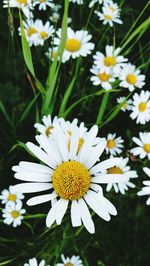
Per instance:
(73,261)
(114,145)
(126,104)
(43,4)
(9,195)
(143,143)
(13,213)
(102,78)
(33,262)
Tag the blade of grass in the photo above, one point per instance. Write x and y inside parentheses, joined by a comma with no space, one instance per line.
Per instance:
(102,108)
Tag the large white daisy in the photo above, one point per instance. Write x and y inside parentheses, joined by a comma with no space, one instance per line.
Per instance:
(73,261)
(111,61)
(145,190)
(24,5)
(122,168)
(143,143)
(72,175)
(77,44)
(141,107)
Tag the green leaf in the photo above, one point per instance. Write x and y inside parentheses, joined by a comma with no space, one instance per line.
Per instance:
(3,110)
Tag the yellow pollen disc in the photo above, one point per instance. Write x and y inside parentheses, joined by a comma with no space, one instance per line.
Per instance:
(15,214)
(53,54)
(48,131)
(108,17)
(70,133)
(147,148)
(31,31)
(124,105)
(114,170)
(112,8)
(43,34)
(71,180)
(42,1)
(69,264)
(73,45)
(142,106)
(103,76)
(12,197)
(111,144)
(131,79)
(22,2)
(110,61)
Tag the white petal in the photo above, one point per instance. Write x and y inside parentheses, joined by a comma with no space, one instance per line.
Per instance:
(86,216)
(32,187)
(105,165)
(41,199)
(75,214)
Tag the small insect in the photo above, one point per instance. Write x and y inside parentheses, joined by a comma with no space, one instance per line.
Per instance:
(131,156)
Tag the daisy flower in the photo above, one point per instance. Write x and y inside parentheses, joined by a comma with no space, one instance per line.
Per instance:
(54,17)
(141,107)
(51,53)
(13,213)
(109,15)
(126,104)
(114,145)
(130,77)
(145,190)
(143,143)
(44,31)
(43,4)
(73,261)
(9,195)
(77,44)
(111,62)
(68,127)
(113,7)
(79,2)
(33,262)
(122,168)
(101,78)
(31,32)
(24,5)
(48,125)
(72,176)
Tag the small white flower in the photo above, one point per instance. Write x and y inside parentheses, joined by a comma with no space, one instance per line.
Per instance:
(79,2)
(109,15)
(130,77)
(145,190)
(51,53)
(24,5)
(77,44)
(33,262)
(43,4)
(114,145)
(141,107)
(111,62)
(72,175)
(9,195)
(122,168)
(13,213)
(45,31)
(101,78)
(55,17)
(31,32)
(126,104)
(73,261)
(48,125)
(143,143)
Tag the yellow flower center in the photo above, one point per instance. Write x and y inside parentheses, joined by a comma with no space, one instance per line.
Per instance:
(112,8)
(53,54)
(15,214)
(69,264)
(22,2)
(48,131)
(43,34)
(110,61)
(70,133)
(114,170)
(108,17)
(42,1)
(131,79)
(31,31)
(111,144)
(103,76)
(12,197)
(73,45)
(71,180)
(147,148)
(124,105)
(142,106)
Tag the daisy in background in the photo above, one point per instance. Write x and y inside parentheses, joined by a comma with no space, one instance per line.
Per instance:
(110,14)
(43,4)
(145,190)
(45,31)
(13,213)
(33,262)
(9,195)
(130,77)
(24,5)
(114,145)
(55,13)
(73,261)
(111,61)
(126,104)
(73,177)
(51,53)
(141,107)
(77,44)
(48,125)
(143,143)
(31,32)
(122,168)
(79,2)
(101,78)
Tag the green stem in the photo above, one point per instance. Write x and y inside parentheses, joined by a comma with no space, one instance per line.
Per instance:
(102,108)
